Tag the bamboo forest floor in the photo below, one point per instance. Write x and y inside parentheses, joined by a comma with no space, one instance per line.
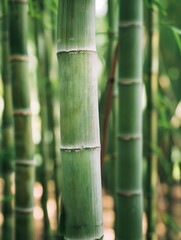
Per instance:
(165,209)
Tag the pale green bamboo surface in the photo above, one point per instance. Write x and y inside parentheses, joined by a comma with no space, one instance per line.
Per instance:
(7,143)
(129,165)
(152,119)
(80,143)
(24,170)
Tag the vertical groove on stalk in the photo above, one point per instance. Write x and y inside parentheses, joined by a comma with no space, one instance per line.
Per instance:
(24,169)
(152,86)
(7,129)
(129,164)
(81,216)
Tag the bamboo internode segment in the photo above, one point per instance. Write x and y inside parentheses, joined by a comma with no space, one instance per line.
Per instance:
(24,210)
(14,58)
(22,112)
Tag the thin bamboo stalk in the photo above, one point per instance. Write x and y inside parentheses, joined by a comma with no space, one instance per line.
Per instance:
(129,164)
(51,117)
(108,103)
(40,48)
(7,130)
(24,179)
(81,216)
(152,86)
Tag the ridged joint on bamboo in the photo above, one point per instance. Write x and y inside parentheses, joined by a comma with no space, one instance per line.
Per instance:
(19,58)
(75,51)
(25,162)
(130,24)
(129,137)
(22,112)
(24,210)
(79,149)
(129,193)
(19,1)
(127,81)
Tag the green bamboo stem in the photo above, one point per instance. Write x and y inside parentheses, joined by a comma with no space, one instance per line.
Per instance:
(40,48)
(24,170)
(51,117)
(81,216)
(108,104)
(152,86)
(7,130)
(129,164)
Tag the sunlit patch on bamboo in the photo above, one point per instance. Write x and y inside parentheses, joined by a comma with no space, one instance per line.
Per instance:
(161,229)
(51,206)
(1,185)
(13,188)
(1,219)
(38,191)
(38,213)
(109,234)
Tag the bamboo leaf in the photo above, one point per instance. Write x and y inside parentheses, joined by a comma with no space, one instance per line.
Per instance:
(169,220)
(177,35)
(157,4)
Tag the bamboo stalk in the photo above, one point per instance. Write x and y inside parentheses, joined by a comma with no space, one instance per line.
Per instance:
(24,169)
(40,48)
(152,86)
(7,130)
(81,216)
(108,103)
(129,164)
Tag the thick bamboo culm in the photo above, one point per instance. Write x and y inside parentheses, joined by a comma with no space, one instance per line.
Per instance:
(152,86)
(7,130)
(24,169)
(129,165)
(81,216)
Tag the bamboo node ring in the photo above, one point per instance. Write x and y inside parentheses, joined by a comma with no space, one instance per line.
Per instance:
(17,58)
(24,210)
(129,137)
(25,162)
(78,149)
(129,82)
(130,24)
(23,112)
(129,193)
(18,1)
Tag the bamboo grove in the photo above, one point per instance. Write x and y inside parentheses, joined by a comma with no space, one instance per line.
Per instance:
(90,116)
